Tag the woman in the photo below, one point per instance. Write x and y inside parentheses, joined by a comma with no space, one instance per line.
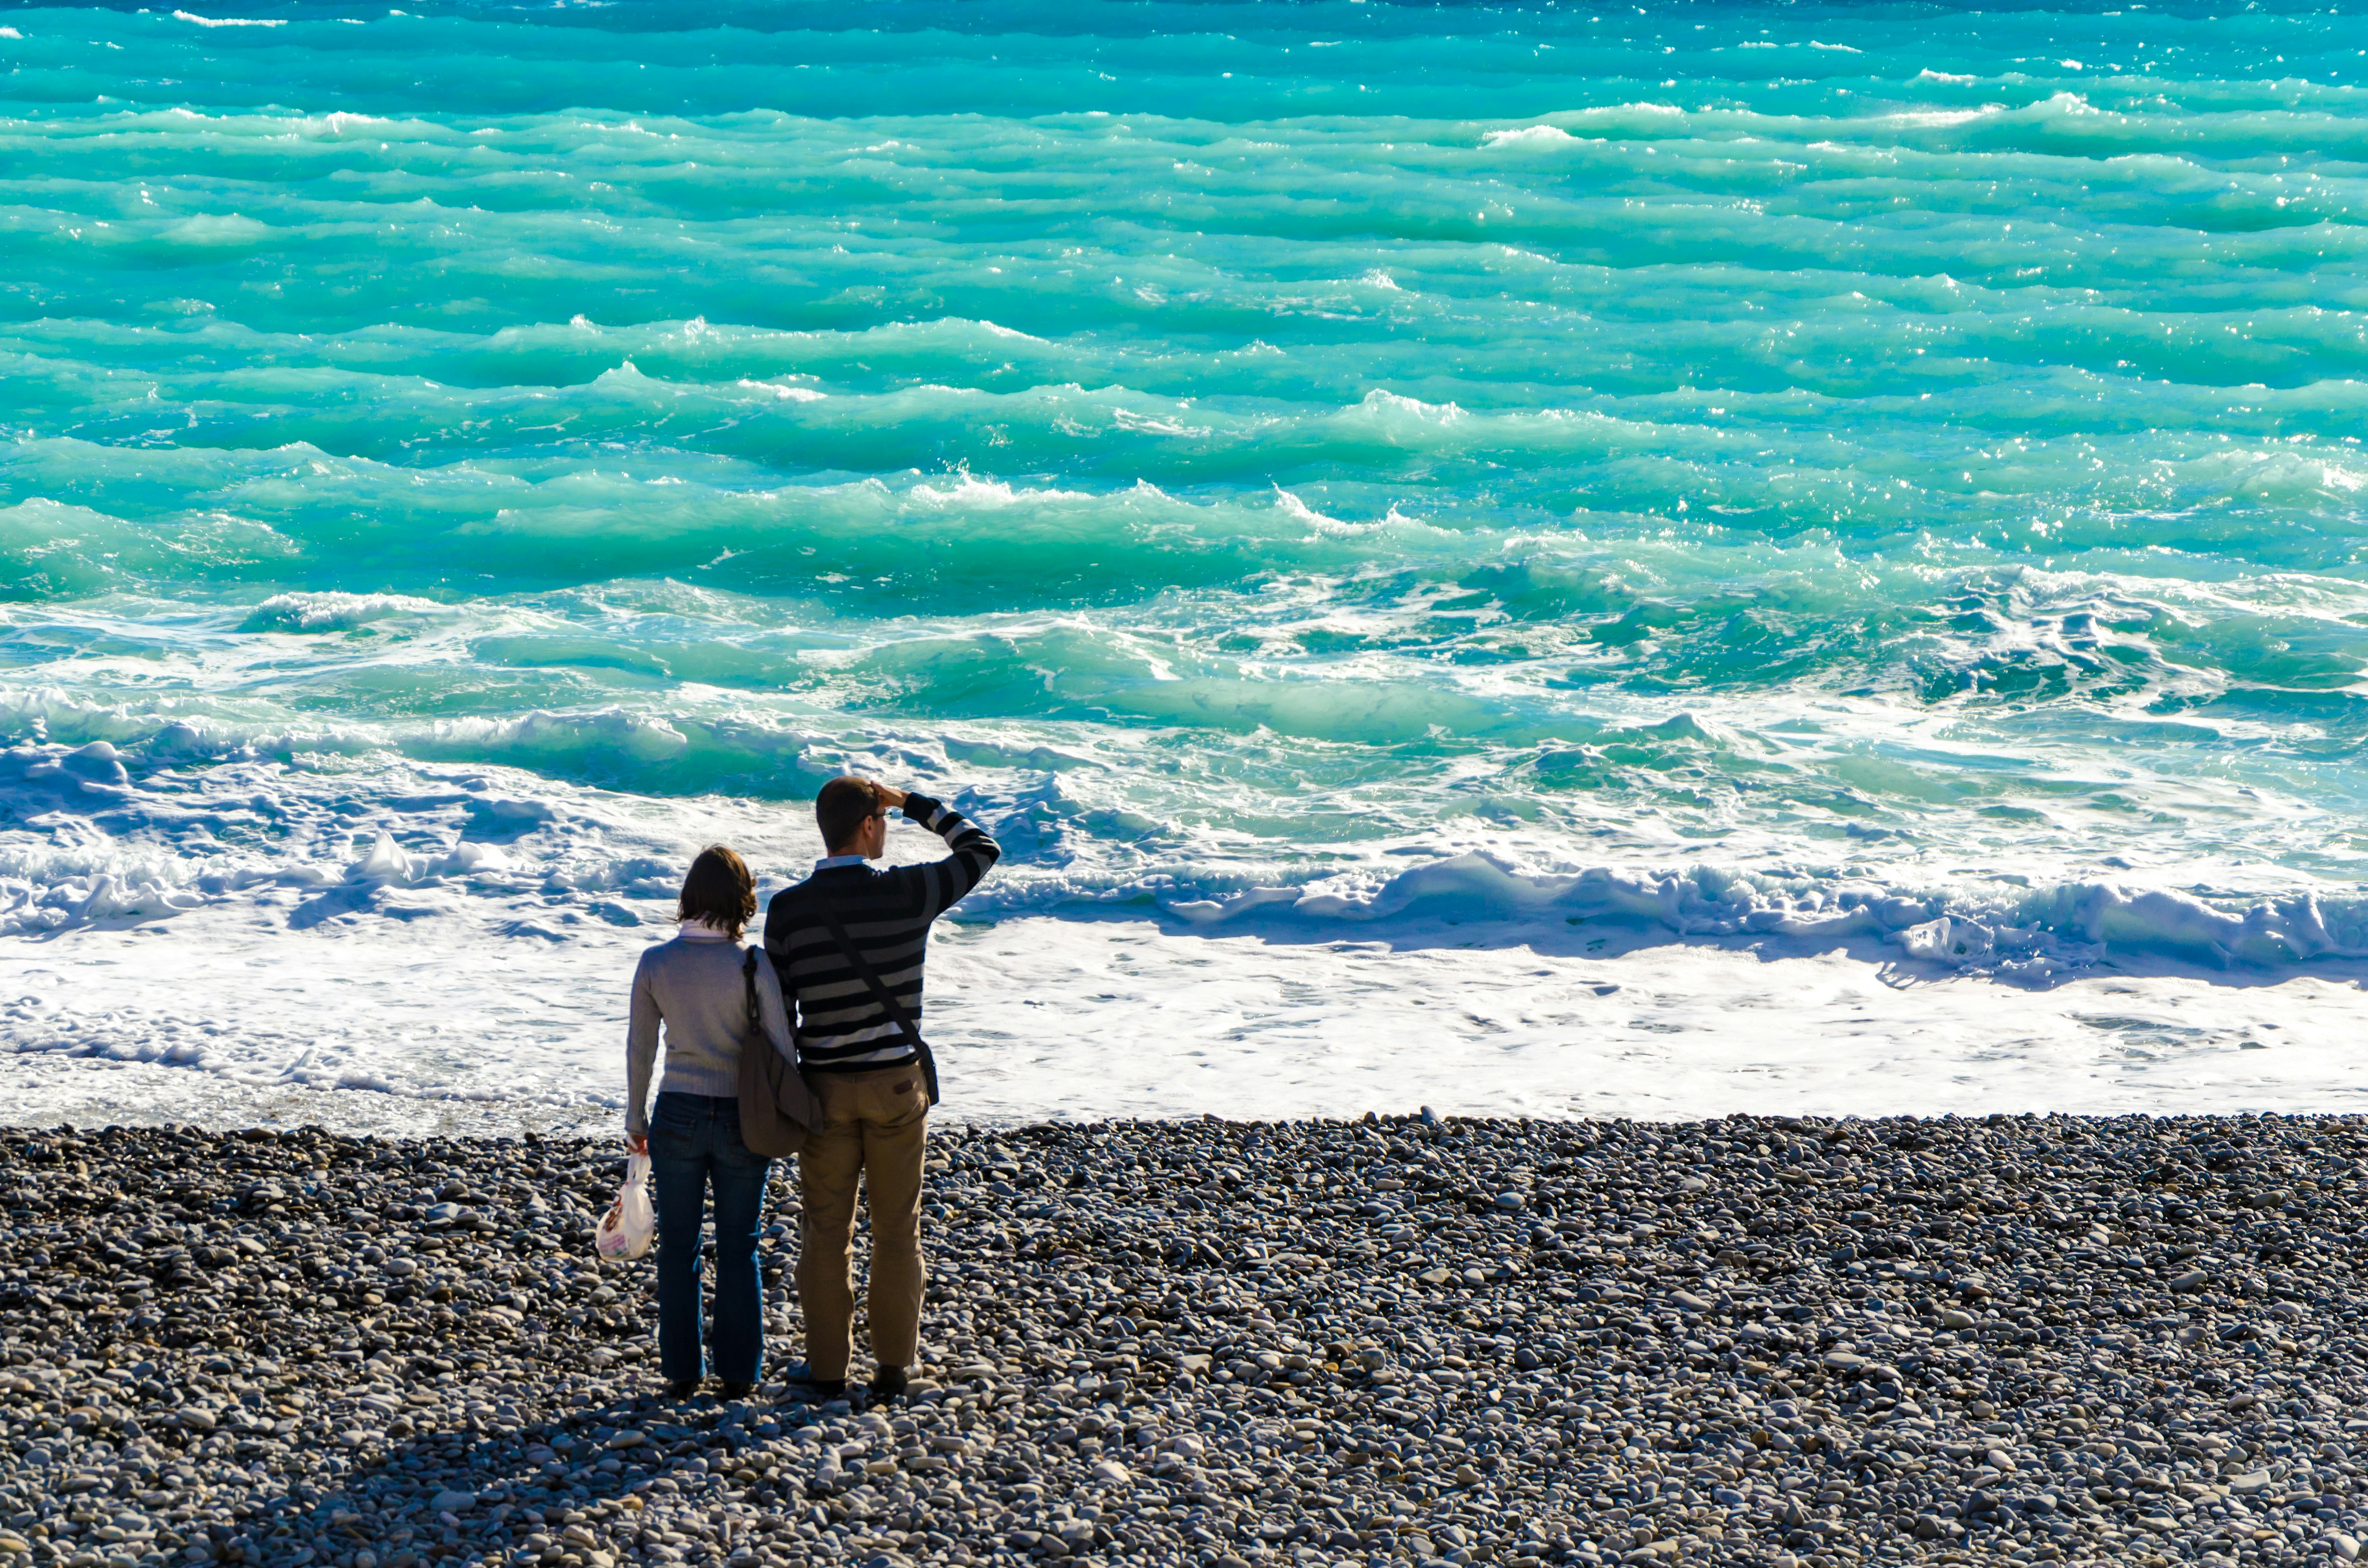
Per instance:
(693,986)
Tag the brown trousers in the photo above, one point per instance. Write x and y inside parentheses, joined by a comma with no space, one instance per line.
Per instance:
(870,1126)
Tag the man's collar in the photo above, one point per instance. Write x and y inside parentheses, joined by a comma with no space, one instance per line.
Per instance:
(829,861)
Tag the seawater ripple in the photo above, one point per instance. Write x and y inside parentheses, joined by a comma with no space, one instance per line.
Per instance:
(1827,474)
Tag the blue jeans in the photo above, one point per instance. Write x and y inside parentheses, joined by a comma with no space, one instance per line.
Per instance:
(695,1142)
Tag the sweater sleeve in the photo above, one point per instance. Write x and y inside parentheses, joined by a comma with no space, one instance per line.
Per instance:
(944,882)
(641,1050)
(772,1010)
(777,953)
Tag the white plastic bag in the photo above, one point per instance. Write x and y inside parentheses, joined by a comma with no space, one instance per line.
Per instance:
(631,1224)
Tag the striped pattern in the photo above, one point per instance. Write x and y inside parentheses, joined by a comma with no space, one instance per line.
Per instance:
(841,1026)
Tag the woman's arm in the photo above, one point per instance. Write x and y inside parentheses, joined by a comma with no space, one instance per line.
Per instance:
(772,1010)
(641,1056)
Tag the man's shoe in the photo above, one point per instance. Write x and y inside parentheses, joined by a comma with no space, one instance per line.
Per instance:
(682,1388)
(890,1383)
(737,1391)
(803,1384)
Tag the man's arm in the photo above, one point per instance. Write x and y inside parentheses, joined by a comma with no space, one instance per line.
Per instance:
(974,853)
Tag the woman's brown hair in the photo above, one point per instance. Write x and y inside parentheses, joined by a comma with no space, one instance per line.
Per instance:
(719,889)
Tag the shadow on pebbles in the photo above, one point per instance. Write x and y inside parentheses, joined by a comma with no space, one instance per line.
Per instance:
(1748,1341)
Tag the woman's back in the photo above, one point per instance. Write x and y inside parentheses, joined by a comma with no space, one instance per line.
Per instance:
(694,985)
(694,990)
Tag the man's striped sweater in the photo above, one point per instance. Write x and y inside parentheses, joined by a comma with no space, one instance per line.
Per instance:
(886,911)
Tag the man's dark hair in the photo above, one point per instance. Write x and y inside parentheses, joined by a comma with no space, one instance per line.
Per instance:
(840,809)
(719,889)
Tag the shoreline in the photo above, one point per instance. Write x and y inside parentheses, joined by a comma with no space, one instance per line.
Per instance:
(1748,1340)
(123,1029)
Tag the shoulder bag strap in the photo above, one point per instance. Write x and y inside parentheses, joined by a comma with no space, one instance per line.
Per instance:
(774,1066)
(871,977)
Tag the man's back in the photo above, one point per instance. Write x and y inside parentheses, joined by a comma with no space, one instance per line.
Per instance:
(886,912)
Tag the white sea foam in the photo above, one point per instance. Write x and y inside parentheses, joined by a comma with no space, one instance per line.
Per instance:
(1611,111)
(1937,116)
(1531,135)
(969,491)
(2028,934)
(1291,506)
(1382,402)
(333,611)
(506,1028)
(786,393)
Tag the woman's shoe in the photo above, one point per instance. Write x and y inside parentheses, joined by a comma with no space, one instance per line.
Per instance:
(890,1383)
(737,1391)
(682,1388)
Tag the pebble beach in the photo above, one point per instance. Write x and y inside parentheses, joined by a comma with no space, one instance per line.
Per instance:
(1772,1341)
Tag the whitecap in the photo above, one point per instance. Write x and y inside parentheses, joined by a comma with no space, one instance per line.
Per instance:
(2031,935)
(387,863)
(1943,116)
(623,370)
(1380,401)
(333,611)
(1291,506)
(971,490)
(2066,103)
(644,737)
(1531,135)
(1154,424)
(1671,110)
(786,393)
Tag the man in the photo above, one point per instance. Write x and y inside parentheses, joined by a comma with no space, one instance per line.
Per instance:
(850,942)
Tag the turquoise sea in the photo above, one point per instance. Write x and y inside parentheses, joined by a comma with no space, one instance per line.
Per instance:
(1884,475)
